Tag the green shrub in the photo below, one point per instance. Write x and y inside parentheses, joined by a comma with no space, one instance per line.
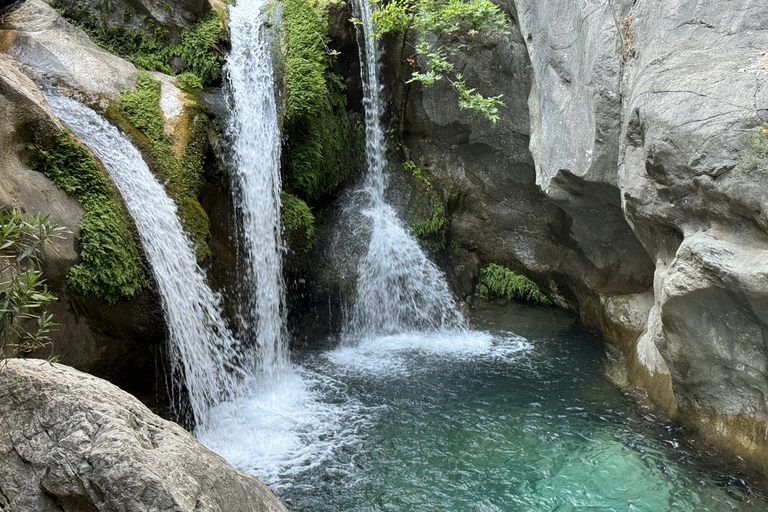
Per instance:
(298,222)
(184,176)
(432,230)
(151,49)
(455,23)
(111,267)
(24,296)
(498,281)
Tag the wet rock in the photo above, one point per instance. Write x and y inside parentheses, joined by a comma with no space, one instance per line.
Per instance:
(40,38)
(72,442)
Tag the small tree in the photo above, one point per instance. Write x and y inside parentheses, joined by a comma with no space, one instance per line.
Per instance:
(24,296)
(442,29)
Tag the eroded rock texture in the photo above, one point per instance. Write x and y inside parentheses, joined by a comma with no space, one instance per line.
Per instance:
(71,442)
(37,36)
(630,206)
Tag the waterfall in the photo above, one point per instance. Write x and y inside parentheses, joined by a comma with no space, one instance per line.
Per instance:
(200,345)
(255,131)
(398,288)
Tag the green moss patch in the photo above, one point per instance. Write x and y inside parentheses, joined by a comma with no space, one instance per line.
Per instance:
(323,146)
(111,267)
(298,222)
(498,281)
(432,227)
(756,156)
(184,174)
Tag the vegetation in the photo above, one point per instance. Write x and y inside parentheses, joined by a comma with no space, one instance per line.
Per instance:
(183,174)
(111,267)
(452,23)
(756,156)
(24,296)
(498,281)
(324,144)
(201,46)
(432,230)
(298,222)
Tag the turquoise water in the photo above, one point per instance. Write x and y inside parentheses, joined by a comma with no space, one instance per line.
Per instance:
(515,416)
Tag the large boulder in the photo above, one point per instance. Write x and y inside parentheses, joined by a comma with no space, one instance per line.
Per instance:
(36,35)
(71,442)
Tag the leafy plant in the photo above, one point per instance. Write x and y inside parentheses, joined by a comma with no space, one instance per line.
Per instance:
(152,49)
(24,296)
(432,230)
(499,281)
(322,145)
(111,267)
(442,29)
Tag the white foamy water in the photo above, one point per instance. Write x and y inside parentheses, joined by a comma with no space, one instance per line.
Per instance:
(310,419)
(255,131)
(398,288)
(200,344)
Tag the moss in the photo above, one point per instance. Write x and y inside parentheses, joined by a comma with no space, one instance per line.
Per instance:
(152,49)
(183,174)
(298,222)
(756,156)
(431,229)
(323,141)
(498,281)
(111,267)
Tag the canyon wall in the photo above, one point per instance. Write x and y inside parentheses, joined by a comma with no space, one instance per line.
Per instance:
(630,206)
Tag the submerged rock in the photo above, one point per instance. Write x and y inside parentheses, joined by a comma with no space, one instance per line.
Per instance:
(72,442)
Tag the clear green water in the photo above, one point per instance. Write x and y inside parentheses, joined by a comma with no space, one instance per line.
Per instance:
(521,418)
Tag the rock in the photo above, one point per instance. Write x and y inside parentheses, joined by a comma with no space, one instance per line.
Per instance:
(173,16)
(630,207)
(694,89)
(71,442)
(40,38)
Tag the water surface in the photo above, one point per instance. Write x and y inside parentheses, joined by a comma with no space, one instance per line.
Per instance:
(516,415)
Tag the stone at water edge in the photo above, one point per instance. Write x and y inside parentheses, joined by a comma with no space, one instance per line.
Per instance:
(70,441)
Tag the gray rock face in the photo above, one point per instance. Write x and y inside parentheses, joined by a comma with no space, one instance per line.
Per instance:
(630,207)
(173,16)
(49,45)
(71,442)
(694,91)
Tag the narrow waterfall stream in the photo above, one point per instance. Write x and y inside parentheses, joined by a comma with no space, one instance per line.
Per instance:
(255,131)
(200,345)
(398,288)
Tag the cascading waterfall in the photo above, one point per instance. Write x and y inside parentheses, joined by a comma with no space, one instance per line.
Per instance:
(255,131)
(398,288)
(200,344)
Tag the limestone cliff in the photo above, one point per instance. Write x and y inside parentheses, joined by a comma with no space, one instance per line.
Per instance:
(629,207)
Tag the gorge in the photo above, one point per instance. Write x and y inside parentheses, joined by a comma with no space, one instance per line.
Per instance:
(623,177)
